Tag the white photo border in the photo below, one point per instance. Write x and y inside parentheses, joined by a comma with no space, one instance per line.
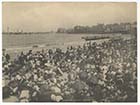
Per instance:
(61,103)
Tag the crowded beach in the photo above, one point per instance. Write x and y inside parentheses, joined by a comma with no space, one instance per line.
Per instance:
(92,72)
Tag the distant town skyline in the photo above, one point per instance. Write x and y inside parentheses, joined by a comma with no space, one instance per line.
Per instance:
(42,17)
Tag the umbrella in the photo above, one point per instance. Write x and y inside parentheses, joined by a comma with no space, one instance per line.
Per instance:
(93,80)
(79,85)
(45,93)
(83,75)
(6,92)
(43,89)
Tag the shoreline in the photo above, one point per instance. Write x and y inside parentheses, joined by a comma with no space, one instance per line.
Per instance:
(13,52)
(16,50)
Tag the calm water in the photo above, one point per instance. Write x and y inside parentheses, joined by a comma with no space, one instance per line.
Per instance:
(24,40)
(14,44)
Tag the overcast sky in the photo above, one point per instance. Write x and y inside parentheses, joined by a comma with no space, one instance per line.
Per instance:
(50,16)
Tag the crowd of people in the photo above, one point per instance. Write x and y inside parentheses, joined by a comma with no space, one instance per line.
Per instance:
(93,72)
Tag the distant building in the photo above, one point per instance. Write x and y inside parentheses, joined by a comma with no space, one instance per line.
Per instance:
(61,30)
(124,28)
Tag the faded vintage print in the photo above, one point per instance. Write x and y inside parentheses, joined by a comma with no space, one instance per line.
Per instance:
(69,52)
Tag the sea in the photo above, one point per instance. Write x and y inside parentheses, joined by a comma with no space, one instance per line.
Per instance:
(15,43)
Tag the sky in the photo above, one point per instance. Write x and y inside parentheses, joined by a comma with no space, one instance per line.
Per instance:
(46,16)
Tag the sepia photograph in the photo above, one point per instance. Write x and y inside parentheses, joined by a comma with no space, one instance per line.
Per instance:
(69,52)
